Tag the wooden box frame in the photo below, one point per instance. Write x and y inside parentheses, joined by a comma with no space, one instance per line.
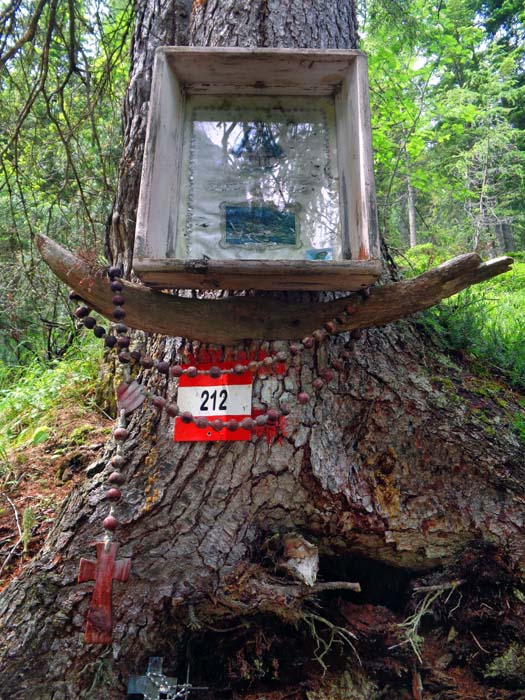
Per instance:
(181,71)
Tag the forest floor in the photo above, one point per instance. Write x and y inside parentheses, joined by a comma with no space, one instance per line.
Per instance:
(38,480)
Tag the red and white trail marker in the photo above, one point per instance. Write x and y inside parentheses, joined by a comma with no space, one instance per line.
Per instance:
(226,397)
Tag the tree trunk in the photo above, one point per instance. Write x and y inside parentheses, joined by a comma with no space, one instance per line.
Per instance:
(504,237)
(404,472)
(411,213)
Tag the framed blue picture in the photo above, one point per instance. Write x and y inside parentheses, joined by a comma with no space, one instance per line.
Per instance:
(258,225)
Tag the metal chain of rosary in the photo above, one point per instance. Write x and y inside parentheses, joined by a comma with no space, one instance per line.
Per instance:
(121,342)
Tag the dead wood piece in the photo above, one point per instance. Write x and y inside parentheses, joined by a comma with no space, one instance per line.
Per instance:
(272,595)
(234,319)
(331,586)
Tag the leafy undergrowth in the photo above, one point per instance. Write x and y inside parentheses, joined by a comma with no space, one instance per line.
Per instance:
(32,396)
(487,321)
(51,431)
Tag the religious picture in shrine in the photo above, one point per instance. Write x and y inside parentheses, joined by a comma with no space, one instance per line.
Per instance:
(259,179)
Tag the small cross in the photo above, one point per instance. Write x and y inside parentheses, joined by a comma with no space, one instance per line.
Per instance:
(103,571)
(154,685)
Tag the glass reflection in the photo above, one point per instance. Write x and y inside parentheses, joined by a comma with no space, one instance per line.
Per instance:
(261,180)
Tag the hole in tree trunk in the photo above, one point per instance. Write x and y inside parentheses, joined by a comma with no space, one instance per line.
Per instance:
(262,655)
(381,584)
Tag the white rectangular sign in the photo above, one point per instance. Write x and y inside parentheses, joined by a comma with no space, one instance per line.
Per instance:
(213,400)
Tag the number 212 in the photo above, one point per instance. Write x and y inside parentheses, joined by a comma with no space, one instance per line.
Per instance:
(212,397)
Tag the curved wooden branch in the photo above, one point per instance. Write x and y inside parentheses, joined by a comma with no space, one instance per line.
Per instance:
(233,319)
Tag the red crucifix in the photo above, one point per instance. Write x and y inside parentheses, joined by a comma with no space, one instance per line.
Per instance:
(103,571)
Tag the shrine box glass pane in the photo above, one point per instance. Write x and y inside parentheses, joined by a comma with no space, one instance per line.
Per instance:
(257,172)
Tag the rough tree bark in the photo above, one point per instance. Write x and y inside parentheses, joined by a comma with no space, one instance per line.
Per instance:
(405,472)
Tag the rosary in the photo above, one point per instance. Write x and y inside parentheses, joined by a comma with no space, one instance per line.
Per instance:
(131,395)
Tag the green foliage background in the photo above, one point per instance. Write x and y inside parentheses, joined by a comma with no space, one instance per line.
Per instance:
(447,88)
(60,104)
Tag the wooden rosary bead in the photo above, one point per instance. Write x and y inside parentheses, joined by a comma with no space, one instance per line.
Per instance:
(123,341)
(239,369)
(117,461)
(121,434)
(308,342)
(115,271)
(135,355)
(89,322)
(201,423)
(118,300)
(192,371)
(261,420)
(121,328)
(158,402)
(163,367)
(119,313)
(232,425)
(303,397)
(114,495)
(116,478)
(110,523)
(295,349)
(186,417)
(247,424)
(317,383)
(172,409)
(146,362)
(110,341)
(285,409)
(177,371)
(116,286)
(82,311)
(328,375)
(215,372)
(273,416)
(99,331)
(124,357)
(217,424)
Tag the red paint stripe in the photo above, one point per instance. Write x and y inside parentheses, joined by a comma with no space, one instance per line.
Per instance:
(241,357)
(223,380)
(189,432)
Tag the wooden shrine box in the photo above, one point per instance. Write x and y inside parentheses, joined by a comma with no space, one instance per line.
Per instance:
(258,172)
